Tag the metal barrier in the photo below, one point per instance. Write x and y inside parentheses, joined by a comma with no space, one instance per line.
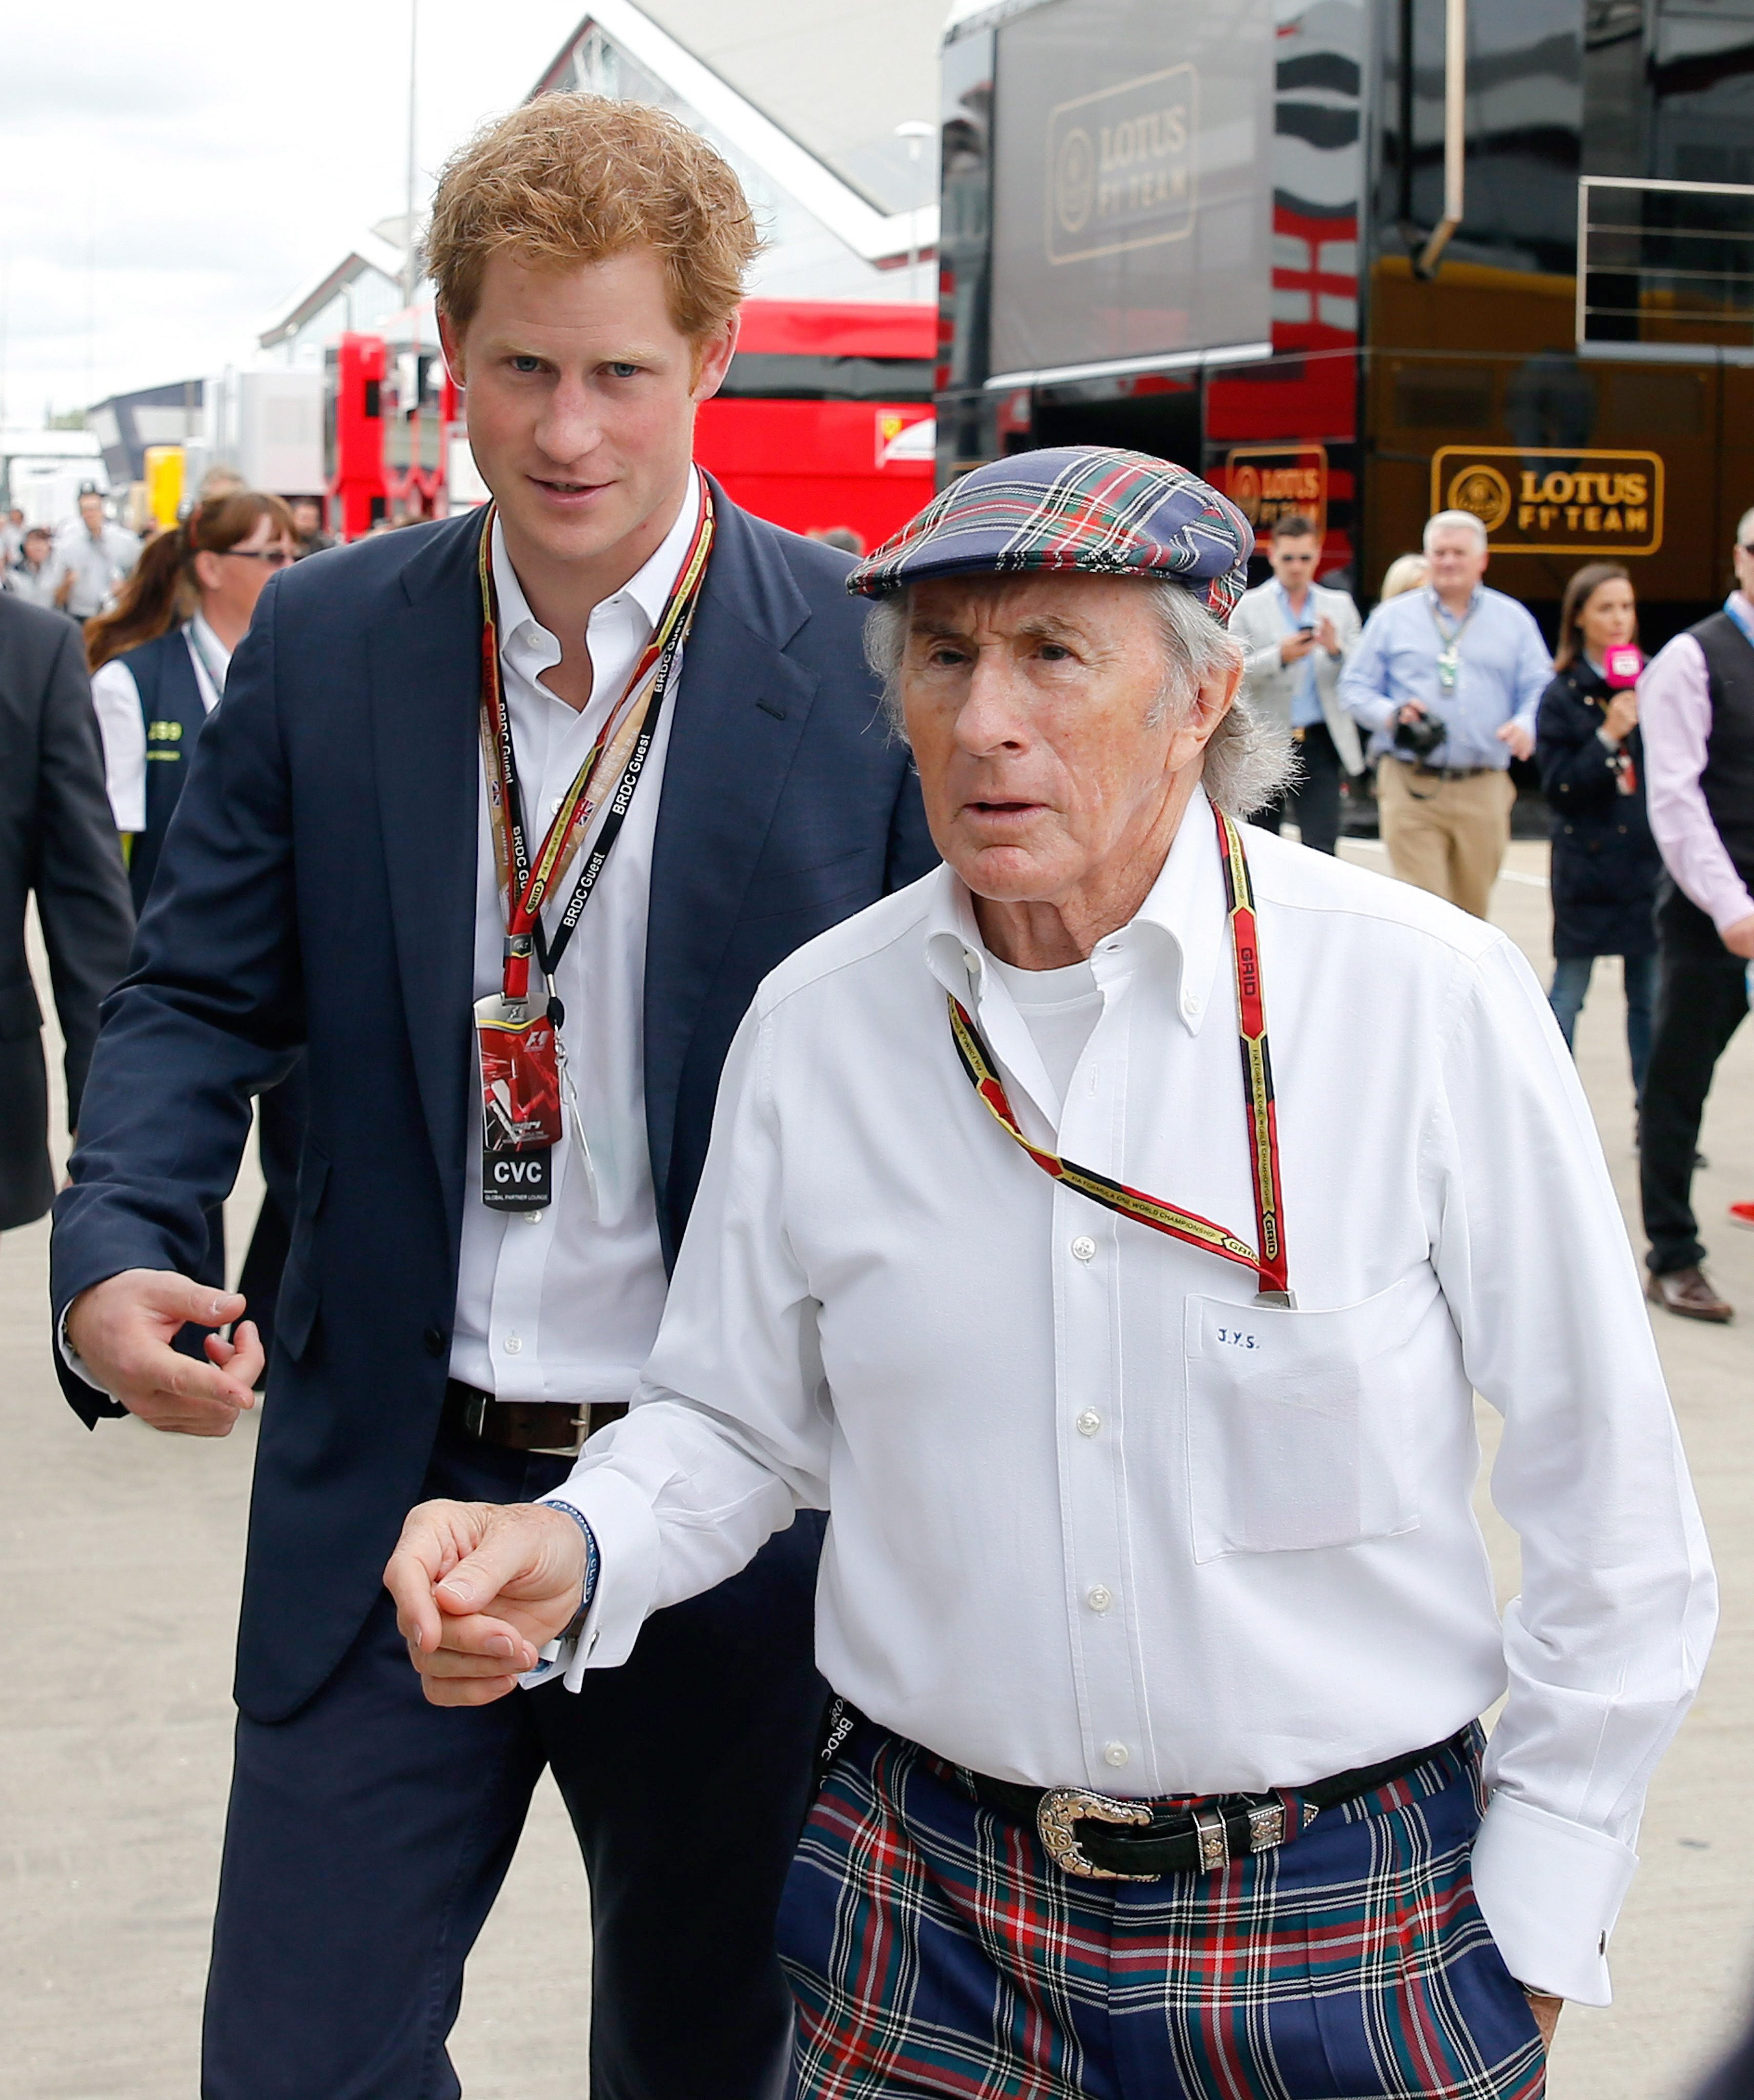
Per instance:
(1664,265)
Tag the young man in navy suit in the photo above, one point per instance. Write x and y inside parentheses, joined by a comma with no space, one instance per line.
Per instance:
(503,820)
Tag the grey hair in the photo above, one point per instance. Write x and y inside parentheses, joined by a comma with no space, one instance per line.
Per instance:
(1248,760)
(1453,521)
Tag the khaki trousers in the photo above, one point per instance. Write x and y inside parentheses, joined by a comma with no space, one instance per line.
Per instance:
(1448,836)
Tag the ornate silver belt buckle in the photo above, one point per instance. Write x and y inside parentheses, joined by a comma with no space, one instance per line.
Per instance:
(1214,1846)
(1061,1807)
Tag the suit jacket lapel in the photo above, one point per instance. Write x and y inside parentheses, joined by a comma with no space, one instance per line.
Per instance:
(741,706)
(425,693)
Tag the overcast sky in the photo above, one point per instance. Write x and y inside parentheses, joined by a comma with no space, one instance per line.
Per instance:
(170,175)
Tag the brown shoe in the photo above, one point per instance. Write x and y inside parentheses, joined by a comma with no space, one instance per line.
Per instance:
(1686,1291)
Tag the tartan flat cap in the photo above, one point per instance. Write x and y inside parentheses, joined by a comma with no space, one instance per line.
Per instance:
(1090,509)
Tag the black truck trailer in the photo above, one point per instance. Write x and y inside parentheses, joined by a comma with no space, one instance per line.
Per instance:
(1367,259)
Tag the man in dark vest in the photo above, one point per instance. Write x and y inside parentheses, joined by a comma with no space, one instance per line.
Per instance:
(511,1089)
(1696,709)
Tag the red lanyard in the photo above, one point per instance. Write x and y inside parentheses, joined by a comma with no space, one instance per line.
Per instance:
(1269,1263)
(526,883)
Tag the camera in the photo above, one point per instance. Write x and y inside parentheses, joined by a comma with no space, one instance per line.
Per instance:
(1421,736)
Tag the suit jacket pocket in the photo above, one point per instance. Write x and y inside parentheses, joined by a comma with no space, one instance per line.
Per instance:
(1299,1423)
(785,892)
(297,1312)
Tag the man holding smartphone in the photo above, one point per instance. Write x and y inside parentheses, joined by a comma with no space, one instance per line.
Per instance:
(1297,634)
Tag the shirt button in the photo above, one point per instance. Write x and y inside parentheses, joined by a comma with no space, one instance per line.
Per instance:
(1088,1422)
(511,1344)
(1098,1599)
(1084,1248)
(1191,1002)
(1116,1754)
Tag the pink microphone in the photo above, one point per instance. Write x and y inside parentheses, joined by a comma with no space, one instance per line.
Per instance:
(1623,665)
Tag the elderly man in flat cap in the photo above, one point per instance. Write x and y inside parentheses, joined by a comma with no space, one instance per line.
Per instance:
(1139,1386)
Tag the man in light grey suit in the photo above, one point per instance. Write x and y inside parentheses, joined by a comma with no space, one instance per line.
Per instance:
(1297,634)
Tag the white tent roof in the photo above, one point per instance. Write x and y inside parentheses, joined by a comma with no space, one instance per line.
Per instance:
(837,75)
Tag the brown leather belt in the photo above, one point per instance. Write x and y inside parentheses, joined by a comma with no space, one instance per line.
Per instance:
(524,1425)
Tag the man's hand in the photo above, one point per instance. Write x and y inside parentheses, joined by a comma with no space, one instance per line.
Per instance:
(1297,645)
(1739,939)
(121,1330)
(1327,635)
(1412,711)
(1521,741)
(480,1588)
(1546,2011)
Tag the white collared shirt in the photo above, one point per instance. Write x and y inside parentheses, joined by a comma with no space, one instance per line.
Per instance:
(562,1304)
(115,698)
(1097,1519)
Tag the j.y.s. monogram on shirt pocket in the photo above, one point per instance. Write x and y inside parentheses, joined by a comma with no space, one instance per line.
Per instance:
(1299,1424)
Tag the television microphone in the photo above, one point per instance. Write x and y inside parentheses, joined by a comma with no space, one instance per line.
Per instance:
(1623,666)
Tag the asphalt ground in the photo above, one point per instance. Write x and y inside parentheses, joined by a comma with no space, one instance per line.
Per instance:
(120,1554)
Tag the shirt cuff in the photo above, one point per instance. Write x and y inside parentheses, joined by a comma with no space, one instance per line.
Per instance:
(72,1358)
(620,1519)
(1550,1891)
(1730,911)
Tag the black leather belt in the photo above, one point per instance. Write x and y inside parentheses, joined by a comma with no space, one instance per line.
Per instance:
(1107,1839)
(1445,772)
(524,1425)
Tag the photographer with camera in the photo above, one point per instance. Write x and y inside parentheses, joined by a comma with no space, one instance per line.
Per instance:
(1447,679)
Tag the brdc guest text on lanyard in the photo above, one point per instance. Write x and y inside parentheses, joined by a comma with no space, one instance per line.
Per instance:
(1267,1258)
(519,1035)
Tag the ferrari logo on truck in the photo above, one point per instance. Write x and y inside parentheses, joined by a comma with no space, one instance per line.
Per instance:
(1541,501)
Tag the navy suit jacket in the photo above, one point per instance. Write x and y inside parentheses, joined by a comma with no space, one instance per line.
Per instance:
(318,887)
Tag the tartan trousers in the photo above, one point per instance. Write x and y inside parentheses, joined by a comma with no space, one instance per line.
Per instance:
(934,1949)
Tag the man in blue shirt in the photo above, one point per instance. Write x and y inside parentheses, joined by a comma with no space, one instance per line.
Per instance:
(1448,680)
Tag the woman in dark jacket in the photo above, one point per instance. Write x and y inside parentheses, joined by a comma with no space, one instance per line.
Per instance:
(1605,861)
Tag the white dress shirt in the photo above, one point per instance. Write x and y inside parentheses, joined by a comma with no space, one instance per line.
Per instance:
(116,698)
(1675,727)
(1097,1519)
(100,566)
(562,1304)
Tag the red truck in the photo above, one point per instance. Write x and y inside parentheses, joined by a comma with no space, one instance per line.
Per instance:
(825,421)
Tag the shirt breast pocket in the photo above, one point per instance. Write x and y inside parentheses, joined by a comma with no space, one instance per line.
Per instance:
(1299,1424)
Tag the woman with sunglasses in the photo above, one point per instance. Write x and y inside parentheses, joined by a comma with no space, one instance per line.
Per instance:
(159,662)
(1605,861)
(159,659)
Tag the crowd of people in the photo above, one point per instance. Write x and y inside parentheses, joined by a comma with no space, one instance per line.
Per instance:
(1649,789)
(717,1340)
